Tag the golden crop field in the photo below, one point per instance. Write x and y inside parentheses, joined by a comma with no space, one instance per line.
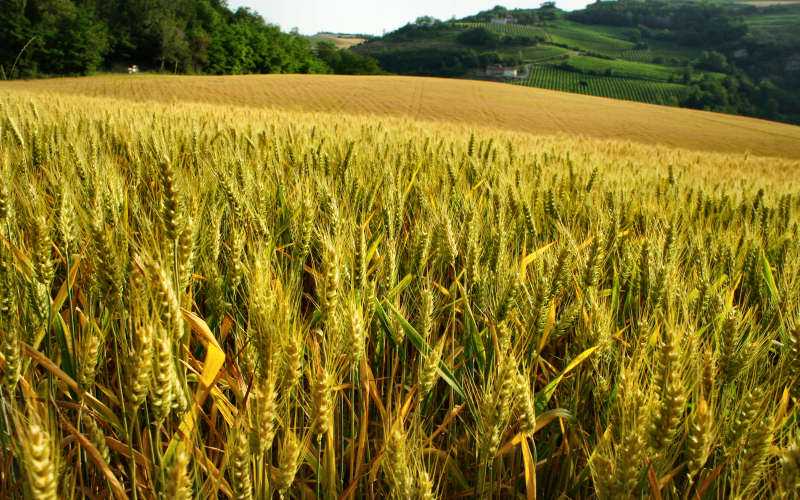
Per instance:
(200,300)
(536,111)
(341,41)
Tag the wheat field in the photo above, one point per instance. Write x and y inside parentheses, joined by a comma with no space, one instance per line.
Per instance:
(497,105)
(206,301)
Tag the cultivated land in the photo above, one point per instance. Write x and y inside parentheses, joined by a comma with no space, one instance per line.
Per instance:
(341,41)
(297,287)
(555,78)
(737,58)
(496,105)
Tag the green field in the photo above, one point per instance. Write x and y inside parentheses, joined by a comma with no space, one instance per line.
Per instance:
(543,52)
(779,27)
(553,78)
(509,29)
(631,69)
(630,75)
(654,55)
(785,18)
(638,55)
(668,54)
(616,32)
(602,39)
(586,38)
(628,69)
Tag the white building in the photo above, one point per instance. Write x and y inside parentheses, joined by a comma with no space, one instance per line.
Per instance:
(505,71)
(503,20)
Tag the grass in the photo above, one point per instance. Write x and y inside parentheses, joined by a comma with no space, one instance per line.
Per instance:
(218,301)
(670,54)
(508,29)
(587,38)
(457,101)
(543,53)
(601,39)
(627,69)
(554,78)
(787,18)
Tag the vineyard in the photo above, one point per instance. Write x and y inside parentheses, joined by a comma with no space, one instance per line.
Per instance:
(591,60)
(637,55)
(543,52)
(585,39)
(625,69)
(553,78)
(509,29)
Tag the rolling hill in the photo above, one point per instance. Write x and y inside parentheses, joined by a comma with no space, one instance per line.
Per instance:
(731,57)
(464,102)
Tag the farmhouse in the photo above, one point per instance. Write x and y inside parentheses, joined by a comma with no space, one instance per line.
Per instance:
(503,20)
(506,71)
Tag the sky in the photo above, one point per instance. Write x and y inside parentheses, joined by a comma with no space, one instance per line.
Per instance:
(373,16)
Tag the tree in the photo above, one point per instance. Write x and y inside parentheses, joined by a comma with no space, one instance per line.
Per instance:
(71,41)
(712,61)
(174,45)
(480,37)
(346,62)
(197,36)
(426,21)
(15,33)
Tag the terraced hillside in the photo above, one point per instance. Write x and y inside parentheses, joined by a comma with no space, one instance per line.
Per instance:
(726,56)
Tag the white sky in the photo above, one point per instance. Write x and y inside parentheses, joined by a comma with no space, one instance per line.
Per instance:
(373,16)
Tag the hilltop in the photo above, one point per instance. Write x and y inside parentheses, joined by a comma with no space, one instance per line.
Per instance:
(339,40)
(464,103)
(731,57)
(725,56)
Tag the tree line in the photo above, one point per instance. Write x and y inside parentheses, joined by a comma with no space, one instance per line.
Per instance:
(77,37)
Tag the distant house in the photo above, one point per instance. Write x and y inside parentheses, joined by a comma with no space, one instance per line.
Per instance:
(503,20)
(504,71)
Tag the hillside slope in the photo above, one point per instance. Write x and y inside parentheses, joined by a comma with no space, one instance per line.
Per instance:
(709,55)
(461,101)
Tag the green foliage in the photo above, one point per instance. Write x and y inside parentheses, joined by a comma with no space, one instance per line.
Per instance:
(492,36)
(596,66)
(555,78)
(712,61)
(62,37)
(346,62)
(72,37)
(718,49)
(480,37)
(521,16)
(698,24)
(430,62)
